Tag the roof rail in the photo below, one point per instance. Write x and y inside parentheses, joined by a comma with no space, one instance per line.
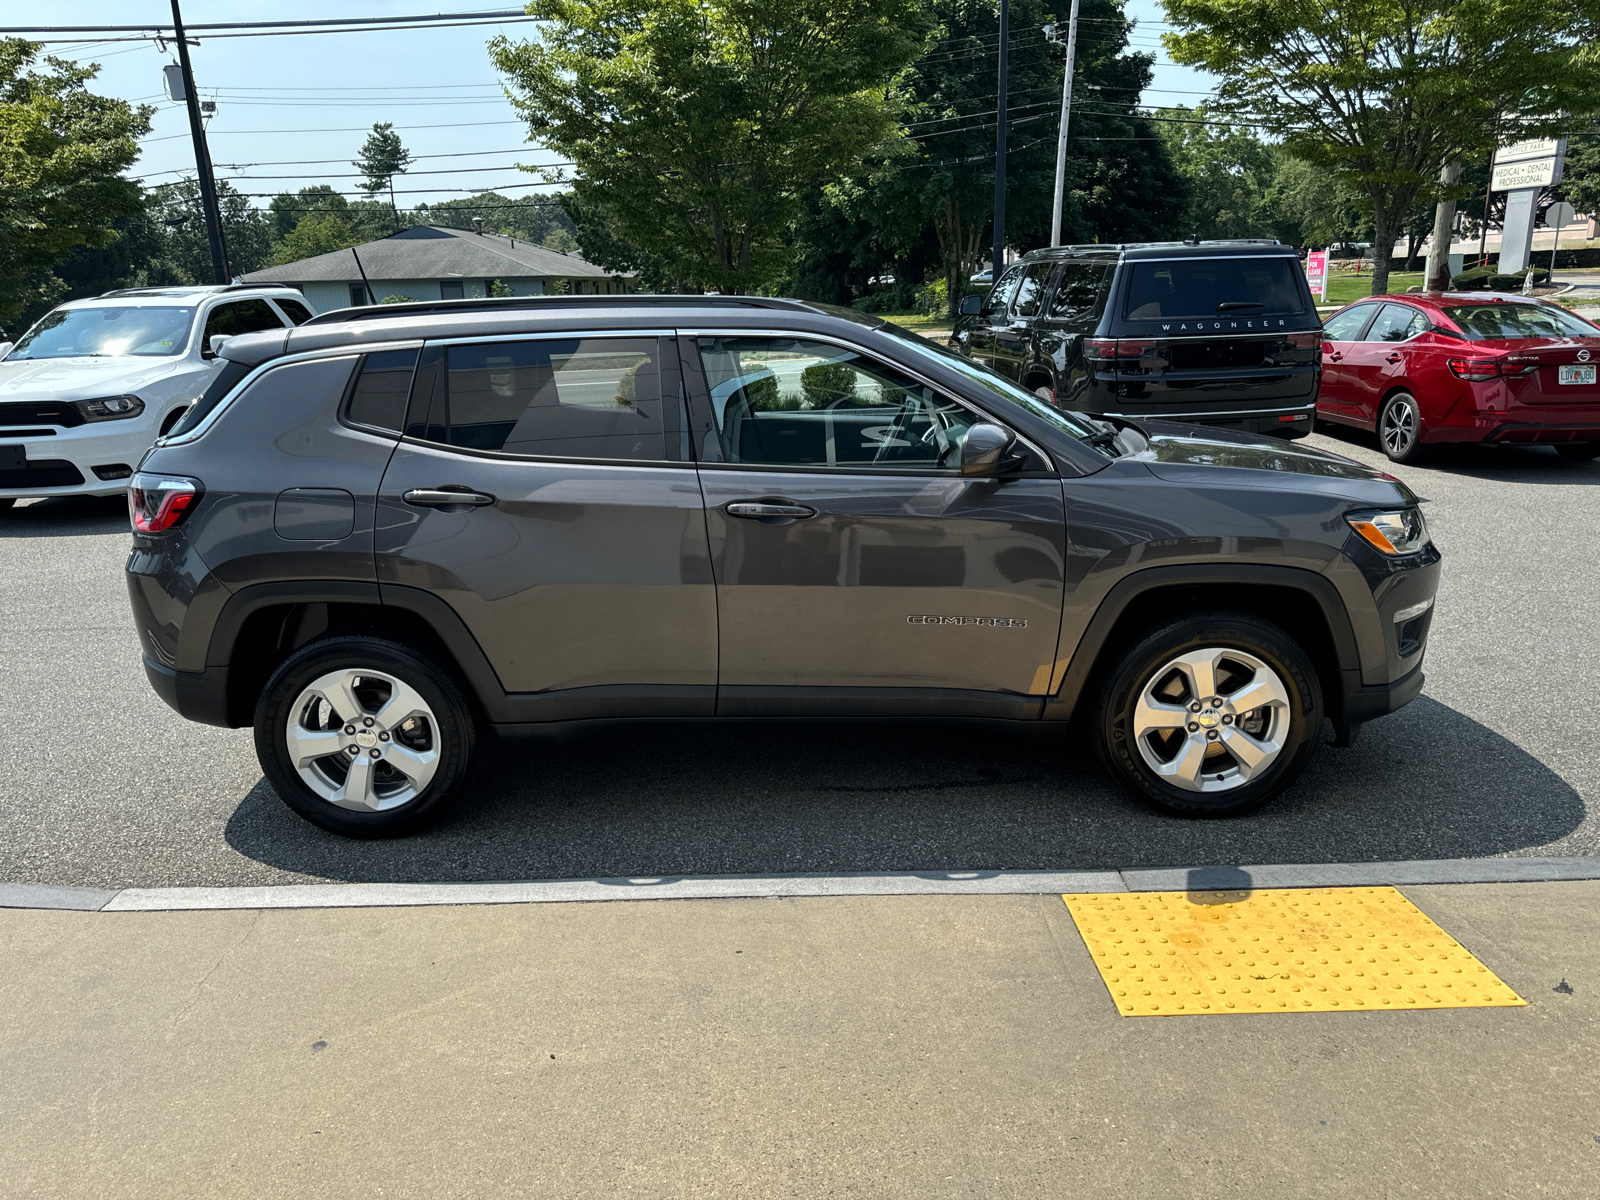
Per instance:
(169,289)
(513,303)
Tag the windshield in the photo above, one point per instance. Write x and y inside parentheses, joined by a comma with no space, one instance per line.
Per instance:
(1490,322)
(1163,289)
(1001,388)
(107,333)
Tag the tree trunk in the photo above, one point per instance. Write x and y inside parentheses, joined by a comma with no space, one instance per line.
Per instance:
(1384,212)
(1437,278)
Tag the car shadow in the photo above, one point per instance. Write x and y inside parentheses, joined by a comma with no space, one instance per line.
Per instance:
(1507,463)
(704,799)
(65,516)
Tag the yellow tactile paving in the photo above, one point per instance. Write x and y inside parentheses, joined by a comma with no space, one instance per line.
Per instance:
(1166,954)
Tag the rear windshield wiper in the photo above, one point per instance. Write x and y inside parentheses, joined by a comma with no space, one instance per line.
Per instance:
(1233,305)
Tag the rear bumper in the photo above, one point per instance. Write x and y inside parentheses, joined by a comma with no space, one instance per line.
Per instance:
(1292,422)
(196,695)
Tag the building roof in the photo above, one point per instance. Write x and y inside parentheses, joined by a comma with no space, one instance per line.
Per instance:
(434,252)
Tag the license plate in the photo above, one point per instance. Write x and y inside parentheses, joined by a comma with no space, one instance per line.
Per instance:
(13,458)
(1577,375)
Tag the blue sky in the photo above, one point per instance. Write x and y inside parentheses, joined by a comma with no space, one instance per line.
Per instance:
(294,100)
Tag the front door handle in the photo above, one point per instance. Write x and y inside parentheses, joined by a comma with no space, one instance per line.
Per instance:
(1335,357)
(451,497)
(768,510)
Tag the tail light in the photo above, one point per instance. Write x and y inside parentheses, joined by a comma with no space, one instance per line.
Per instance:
(1111,349)
(1476,370)
(158,502)
(1303,341)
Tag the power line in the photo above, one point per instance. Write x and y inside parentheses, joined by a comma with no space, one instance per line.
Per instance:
(150,37)
(430,18)
(355,129)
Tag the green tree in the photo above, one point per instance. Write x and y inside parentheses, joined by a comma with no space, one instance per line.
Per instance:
(529,218)
(699,125)
(382,157)
(62,154)
(186,252)
(1382,92)
(939,198)
(313,235)
(1230,171)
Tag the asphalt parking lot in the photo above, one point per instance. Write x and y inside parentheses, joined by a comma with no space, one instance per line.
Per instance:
(104,786)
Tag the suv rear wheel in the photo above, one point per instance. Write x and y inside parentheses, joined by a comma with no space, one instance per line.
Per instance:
(364,737)
(1210,716)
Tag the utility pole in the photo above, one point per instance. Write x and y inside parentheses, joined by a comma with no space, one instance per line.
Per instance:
(202,156)
(1437,276)
(1066,112)
(999,147)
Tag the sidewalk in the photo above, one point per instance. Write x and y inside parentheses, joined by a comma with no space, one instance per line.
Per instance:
(870,1046)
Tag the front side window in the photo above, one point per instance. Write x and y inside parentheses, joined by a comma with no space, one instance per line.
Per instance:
(1031,290)
(241,316)
(106,333)
(785,402)
(559,398)
(1489,322)
(1077,289)
(1396,323)
(1346,326)
(1190,288)
(1000,295)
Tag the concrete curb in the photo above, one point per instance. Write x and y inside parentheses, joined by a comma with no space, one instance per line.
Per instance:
(727,887)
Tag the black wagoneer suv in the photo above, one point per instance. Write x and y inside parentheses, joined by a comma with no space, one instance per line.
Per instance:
(388,531)
(1222,333)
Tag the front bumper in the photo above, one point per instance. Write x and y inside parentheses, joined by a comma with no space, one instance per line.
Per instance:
(63,462)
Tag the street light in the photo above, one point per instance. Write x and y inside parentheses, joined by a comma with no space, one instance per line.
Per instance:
(1066,112)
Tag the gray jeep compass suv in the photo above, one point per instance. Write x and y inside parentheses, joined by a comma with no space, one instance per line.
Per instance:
(388,531)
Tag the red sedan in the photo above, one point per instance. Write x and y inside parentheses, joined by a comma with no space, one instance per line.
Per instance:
(1462,367)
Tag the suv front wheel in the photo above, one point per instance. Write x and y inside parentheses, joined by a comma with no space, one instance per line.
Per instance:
(1210,716)
(364,737)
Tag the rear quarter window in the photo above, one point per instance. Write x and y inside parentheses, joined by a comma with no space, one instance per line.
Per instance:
(1206,288)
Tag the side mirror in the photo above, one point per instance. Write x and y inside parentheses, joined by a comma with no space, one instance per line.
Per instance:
(972,306)
(987,451)
(5,348)
(214,345)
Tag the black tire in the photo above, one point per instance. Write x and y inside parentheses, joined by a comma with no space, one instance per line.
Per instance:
(1295,724)
(1400,429)
(1578,451)
(451,734)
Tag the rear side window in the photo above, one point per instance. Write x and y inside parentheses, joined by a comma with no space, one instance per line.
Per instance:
(1077,289)
(381,390)
(1192,288)
(298,313)
(1396,323)
(561,398)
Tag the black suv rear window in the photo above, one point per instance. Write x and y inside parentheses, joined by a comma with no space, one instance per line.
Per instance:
(1191,288)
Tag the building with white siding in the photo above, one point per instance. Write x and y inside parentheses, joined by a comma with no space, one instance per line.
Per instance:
(432,262)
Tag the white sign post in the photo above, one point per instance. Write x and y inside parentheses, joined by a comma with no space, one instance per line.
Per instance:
(1521,169)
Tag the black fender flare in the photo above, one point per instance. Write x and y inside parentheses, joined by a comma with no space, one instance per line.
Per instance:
(1086,655)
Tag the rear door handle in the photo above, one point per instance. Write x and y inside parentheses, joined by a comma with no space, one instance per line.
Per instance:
(757,510)
(1392,358)
(450,496)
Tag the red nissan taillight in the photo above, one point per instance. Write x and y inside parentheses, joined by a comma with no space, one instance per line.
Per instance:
(1476,370)
(158,502)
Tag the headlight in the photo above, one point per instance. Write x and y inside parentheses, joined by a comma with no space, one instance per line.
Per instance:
(1402,531)
(111,408)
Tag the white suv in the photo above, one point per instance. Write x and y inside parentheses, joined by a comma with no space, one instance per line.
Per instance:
(85,392)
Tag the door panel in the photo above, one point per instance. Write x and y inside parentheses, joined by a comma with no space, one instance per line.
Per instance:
(1342,331)
(1378,362)
(897,582)
(1013,331)
(576,576)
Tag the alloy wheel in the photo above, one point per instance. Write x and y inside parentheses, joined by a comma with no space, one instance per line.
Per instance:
(1212,719)
(363,740)
(1399,427)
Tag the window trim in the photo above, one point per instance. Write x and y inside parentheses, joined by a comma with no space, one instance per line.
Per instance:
(686,340)
(669,366)
(1412,309)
